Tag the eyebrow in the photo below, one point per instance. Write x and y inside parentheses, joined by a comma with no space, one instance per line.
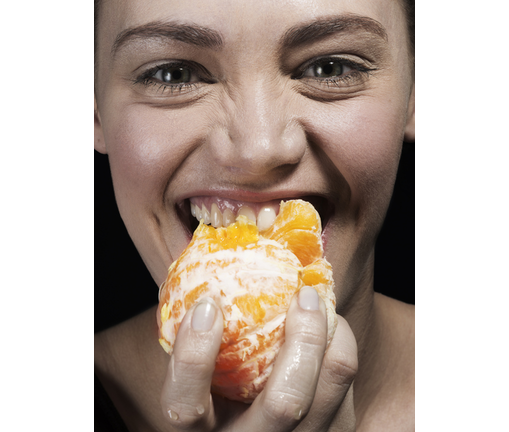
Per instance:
(208,38)
(322,28)
(190,34)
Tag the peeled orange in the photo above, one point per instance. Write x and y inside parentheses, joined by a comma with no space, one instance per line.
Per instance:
(252,276)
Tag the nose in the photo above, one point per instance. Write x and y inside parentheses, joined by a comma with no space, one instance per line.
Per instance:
(262,135)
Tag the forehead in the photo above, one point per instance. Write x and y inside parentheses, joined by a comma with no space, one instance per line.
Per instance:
(238,21)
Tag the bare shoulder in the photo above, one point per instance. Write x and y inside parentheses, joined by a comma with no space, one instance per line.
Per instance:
(398,316)
(393,408)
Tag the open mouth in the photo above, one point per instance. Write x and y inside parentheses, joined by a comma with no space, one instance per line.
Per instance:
(221,212)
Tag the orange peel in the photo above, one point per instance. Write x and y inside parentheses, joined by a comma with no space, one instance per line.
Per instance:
(252,277)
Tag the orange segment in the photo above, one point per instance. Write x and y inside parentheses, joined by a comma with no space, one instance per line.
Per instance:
(318,272)
(298,227)
(252,277)
(295,214)
(249,305)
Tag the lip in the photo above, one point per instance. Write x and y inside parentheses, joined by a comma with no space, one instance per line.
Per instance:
(248,196)
(320,201)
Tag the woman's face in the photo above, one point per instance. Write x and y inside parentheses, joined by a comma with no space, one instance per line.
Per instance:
(238,103)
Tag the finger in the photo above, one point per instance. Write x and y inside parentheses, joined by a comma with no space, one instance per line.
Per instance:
(185,399)
(334,395)
(289,392)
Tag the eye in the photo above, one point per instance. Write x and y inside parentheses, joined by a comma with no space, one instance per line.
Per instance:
(173,75)
(333,77)
(176,77)
(327,69)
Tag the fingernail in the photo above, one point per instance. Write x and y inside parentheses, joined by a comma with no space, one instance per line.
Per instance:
(203,315)
(308,298)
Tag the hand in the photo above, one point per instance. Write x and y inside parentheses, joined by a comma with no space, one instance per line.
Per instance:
(308,389)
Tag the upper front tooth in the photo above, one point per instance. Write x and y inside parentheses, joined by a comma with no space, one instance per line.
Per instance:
(205,215)
(228,217)
(266,218)
(197,210)
(247,212)
(216,216)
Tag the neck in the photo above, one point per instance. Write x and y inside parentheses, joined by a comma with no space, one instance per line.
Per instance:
(363,315)
(384,330)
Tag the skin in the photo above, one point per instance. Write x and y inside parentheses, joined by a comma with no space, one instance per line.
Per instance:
(254,128)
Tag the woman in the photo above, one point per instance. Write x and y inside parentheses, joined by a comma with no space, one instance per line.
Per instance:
(251,103)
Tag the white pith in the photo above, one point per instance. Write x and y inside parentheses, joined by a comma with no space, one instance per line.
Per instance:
(263,215)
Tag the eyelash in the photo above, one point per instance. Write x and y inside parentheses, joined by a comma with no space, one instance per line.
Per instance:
(148,79)
(359,71)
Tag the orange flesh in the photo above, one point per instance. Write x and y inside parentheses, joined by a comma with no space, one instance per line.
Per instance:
(252,277)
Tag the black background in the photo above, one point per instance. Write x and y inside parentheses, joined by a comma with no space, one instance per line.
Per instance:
(124,287)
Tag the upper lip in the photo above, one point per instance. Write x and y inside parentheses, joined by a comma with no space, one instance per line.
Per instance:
(249,196)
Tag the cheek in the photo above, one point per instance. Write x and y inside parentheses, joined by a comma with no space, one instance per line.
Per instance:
(146,146)
(363,141)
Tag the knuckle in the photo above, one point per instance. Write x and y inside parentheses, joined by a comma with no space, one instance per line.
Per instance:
(284,408)
(192,370)
(308,325)
(340,369)
(198,348)
(312,339)
(194,362)
(340,364)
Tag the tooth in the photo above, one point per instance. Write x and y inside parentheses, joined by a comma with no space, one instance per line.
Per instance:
(205,215)
(198,212)
(216,216)
(265,218)
(228,217)
(247,212)
(193,209)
